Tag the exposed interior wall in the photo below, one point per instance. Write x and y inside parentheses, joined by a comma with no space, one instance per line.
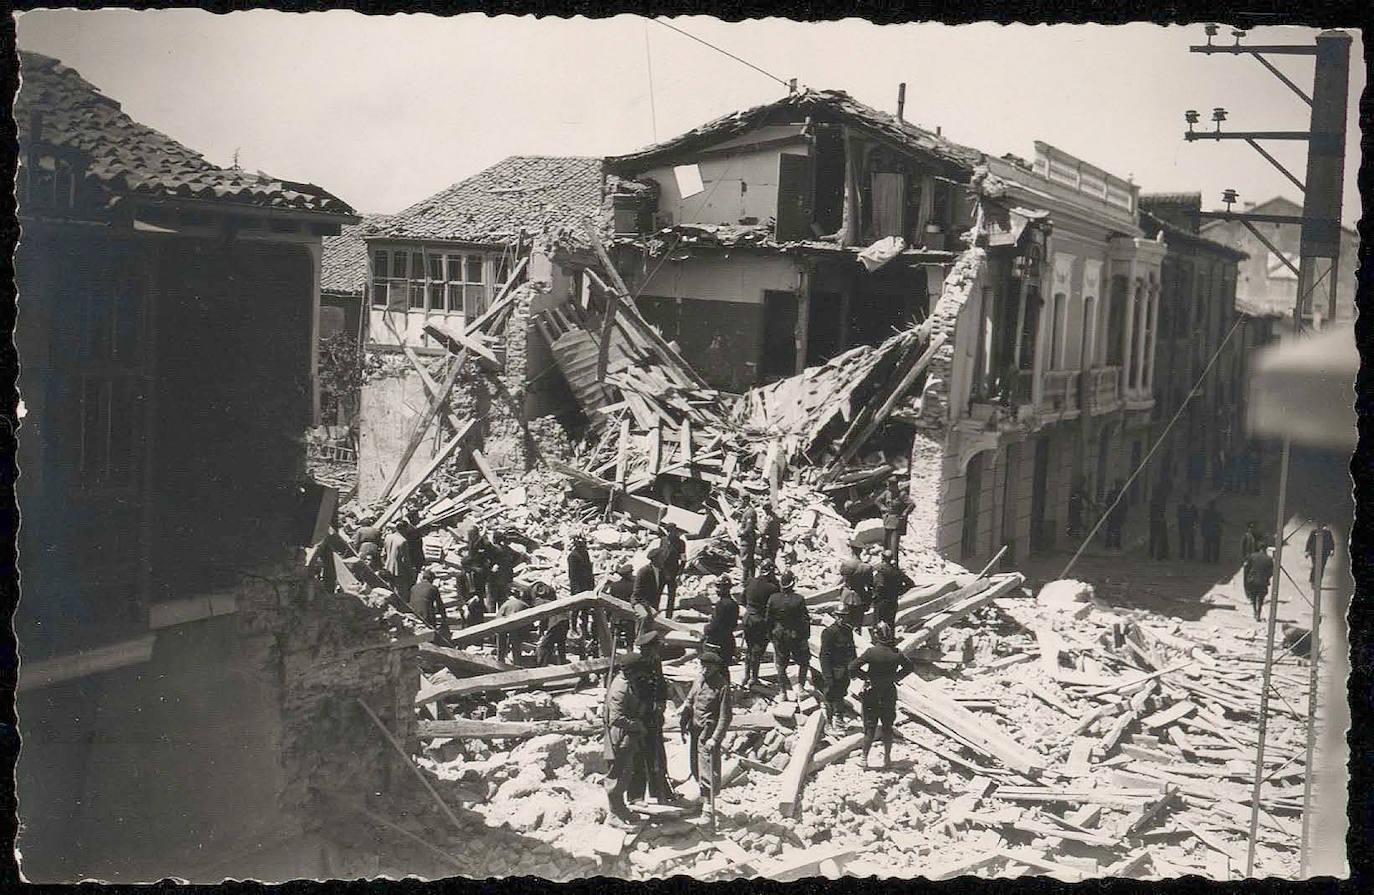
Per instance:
(389,407)
(741,187)
(955,316)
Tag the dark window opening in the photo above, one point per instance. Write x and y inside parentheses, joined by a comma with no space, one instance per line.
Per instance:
(1029,328)
(973,489)
(829,172)
(779,348)
(1116,321)
(794,198)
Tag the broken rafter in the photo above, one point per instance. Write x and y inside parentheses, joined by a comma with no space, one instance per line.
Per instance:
(422,425)
(510,680)
(444,453)
(794,777)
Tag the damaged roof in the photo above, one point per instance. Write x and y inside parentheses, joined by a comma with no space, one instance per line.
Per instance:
(824,105)
(523,193)
(681,239)
(1152,224)
(343,265)
(126,158)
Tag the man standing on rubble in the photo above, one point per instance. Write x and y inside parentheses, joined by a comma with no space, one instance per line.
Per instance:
(553,640)
(837,652)
(789,625)
(719,633)
(428,605)
(1258,572)
(706,715)
(853,601)
(477,565)
(513,642)
(1320,545)
(883,666)
(367,533)
(626,707)
(748,539)
(1187,519)
(674,550)
(580,580)
(621,586)
(895,507)
(772,534)
(398,559)
(654,757)
(502,560)
(1116,516)
(649,581)
(889,583)
(756,596)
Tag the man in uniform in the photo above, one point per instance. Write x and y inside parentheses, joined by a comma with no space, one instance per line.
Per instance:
(553,640)
(649,581)
(789,626)
(706,715)
(655,759)
(513,642)
(1187,519)
(837,651)
(580,579)
(748,538)
(428,605)
(674,552)
(882,666)
(895,506)
(889,583)
(621,585)
(1258,572)
(853,600)
(477,565)
(503,558)
(772,534)
(626,701)
(719,633)
(756,595)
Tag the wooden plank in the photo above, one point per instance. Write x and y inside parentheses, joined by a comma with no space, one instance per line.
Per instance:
(509,680)
(1185,745)
(422,426)
(1116,732)
(802,863)
(444,453)
(1077,765)
(759,766)
(522,619)
(622,456)
(466,729)
(1123,685)
(655,448)
(491,477)
(794,777)
(686,439)
(1037,861)
(834,752)
(465,342)
(462,662)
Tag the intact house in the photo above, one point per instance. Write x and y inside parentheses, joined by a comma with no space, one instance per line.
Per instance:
(167,321)
(1267,282)
(519,224)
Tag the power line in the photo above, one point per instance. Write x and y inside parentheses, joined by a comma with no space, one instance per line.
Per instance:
(719,50)
(649,64)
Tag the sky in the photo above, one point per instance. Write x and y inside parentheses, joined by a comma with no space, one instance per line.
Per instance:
(385,111)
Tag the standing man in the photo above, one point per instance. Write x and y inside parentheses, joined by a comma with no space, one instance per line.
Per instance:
(1320,545)
(553,641)
(1077,501)
(707,711)
(398,560)
(719,634)
(1210,523)
(1250,540)
(1187,517)
(415,543)
(370,552)
(789,624)
(580,579)
(748,538)
(882,666)
(895,507)
(367,533)
(1259,571)
(772,534)
(889,583)
(853,601)
(502,560)
(511,643)
(837,652)
(1116,516)
(477,565)
(674,550)
(428,605)
(626,700)
(655,758)
(649,581)
(1159,529)
(756,596)
(622,587)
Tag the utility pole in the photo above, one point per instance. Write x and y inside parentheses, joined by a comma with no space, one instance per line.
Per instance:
(1320,224)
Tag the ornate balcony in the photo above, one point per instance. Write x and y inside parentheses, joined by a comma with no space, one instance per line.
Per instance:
(1101,389)
(1059,392)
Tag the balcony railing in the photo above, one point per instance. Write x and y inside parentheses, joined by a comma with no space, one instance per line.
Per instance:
(1059,391)
(1102,387)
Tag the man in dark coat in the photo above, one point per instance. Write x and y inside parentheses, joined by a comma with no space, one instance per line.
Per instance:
(655,758)
(367,533)
(581,579)
(882,665)
(649,586)
(889,583)
(707,713)
(789,627)
(476,564)
(719,634)
(428,605)
(1249,541)
(895,507)
(627,699)
(1321,543)
(674,552)
(1187,519)
(1159,529)
(772,534)
(622,586)
(1116,515)
(1258,573)
(853,601)
(748,539)
(511,643)
(756,595)
(1211,523)
(837,651)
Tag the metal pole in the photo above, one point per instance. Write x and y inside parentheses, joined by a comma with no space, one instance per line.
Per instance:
(1314,657)
(1268,666)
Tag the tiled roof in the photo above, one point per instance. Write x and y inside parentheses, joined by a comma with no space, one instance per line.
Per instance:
(128,158)
(343,266)
(820,104)
(534,194)
(1152,223)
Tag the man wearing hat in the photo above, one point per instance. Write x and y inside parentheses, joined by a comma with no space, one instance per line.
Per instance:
(626,701)
(719,633)
(654,759)
(674,549)
(789,624)
(553,641)
(748,538)
(895,506)
(837,651)
(399,560)
(756,595)
(889,583)
(428,605)
(512,642)
(882,665)
(649,581)
(367,533)
(477,563)
(772,533)
(706,715)
(853,596)
(621,586)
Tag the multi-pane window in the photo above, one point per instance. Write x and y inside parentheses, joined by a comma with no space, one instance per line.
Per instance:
(434,282)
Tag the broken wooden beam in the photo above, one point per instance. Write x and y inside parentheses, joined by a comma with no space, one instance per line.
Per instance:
(462,662)
(794,777)
(522,619)
(444,453)
(456,341)
(466,729)
(834,752)
(510,680)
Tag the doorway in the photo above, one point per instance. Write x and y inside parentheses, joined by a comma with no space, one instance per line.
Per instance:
(823,327)
(779,350)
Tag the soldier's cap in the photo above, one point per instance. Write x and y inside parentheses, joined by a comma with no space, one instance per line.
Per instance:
(724,583)
(625,569)
(648,637)
(787,579)
(712,659)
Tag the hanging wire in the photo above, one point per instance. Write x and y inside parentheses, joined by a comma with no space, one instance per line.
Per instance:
(719,50)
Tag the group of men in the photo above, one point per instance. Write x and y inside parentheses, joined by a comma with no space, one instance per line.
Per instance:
(1208,523)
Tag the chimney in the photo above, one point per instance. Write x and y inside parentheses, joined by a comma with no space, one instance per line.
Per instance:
(901,100)
(792,85)
(937,130)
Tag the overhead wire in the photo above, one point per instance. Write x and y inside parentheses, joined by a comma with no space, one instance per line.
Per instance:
(723,52)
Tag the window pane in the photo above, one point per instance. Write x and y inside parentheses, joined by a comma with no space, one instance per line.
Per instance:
(417,265)
(474,269)
(455,267)
(455,297)
(474,300)
(400,262)
(379,264)
(379,294)
(436,267)
(417,295)
(436,296)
